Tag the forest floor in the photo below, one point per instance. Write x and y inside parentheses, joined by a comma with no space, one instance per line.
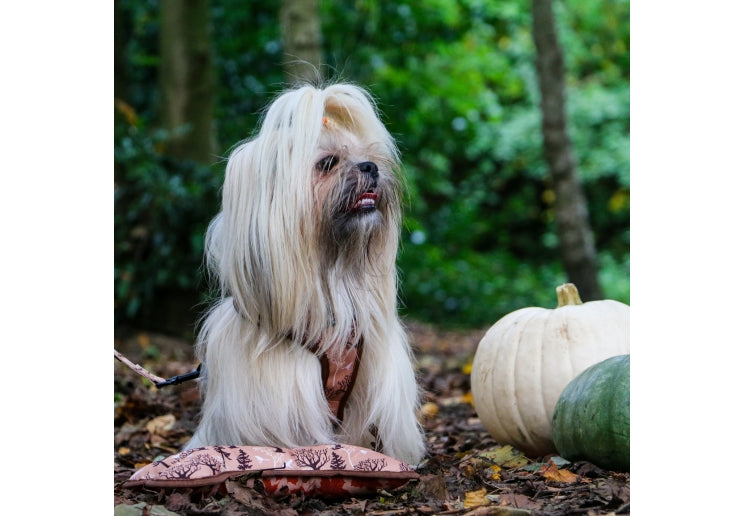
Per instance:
(463,473)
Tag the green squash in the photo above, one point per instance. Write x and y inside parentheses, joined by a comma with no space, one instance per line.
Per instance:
(591,420)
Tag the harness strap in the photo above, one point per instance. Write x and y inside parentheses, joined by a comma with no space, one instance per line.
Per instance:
(339,376)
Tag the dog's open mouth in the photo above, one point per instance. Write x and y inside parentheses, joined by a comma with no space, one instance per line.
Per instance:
(367,201)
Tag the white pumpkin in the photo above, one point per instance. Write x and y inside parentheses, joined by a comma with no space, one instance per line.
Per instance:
(527,358)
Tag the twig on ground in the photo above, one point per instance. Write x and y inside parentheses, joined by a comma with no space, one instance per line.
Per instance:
(138,368)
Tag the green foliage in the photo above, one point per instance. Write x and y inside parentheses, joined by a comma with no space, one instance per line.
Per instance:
(161,208)
(464,288)
(456,84)
(470,289)
(247,49)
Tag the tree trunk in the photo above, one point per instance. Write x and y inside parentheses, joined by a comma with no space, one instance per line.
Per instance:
(187,79)
(302,40)
(575,235)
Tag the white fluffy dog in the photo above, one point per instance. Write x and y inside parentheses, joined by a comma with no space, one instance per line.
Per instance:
(305,346)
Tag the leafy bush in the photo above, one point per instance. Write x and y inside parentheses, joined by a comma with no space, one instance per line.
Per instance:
(161,210)
(464,288)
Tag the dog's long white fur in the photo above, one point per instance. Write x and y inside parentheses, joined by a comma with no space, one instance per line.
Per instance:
(286,283)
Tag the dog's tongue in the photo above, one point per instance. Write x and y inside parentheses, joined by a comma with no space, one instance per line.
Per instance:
(366,200)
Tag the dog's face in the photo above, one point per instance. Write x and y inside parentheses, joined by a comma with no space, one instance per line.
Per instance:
(356,190)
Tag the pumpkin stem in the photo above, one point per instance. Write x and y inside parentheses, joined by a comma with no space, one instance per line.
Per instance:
(568,294)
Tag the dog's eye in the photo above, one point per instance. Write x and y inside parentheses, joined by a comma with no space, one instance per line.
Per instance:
(325,165)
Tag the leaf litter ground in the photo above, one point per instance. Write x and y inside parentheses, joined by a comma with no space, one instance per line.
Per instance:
(466,472)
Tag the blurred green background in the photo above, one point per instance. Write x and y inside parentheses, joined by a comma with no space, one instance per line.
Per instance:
(457,86)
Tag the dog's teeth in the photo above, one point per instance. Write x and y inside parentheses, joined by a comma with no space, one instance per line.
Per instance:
(366,201)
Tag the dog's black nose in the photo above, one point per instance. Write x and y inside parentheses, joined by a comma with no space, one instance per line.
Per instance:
(367,167)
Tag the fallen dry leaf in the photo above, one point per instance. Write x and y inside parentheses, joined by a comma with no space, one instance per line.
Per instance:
(245,495)
(161,425)
(476,498)
(177,501)
(496,475)
(505,456)
(429,410)
(452,400)
(552,474)
(433,487)
(355,506)
(517,500)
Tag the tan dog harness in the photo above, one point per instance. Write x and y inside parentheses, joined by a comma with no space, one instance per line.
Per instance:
(339,375)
